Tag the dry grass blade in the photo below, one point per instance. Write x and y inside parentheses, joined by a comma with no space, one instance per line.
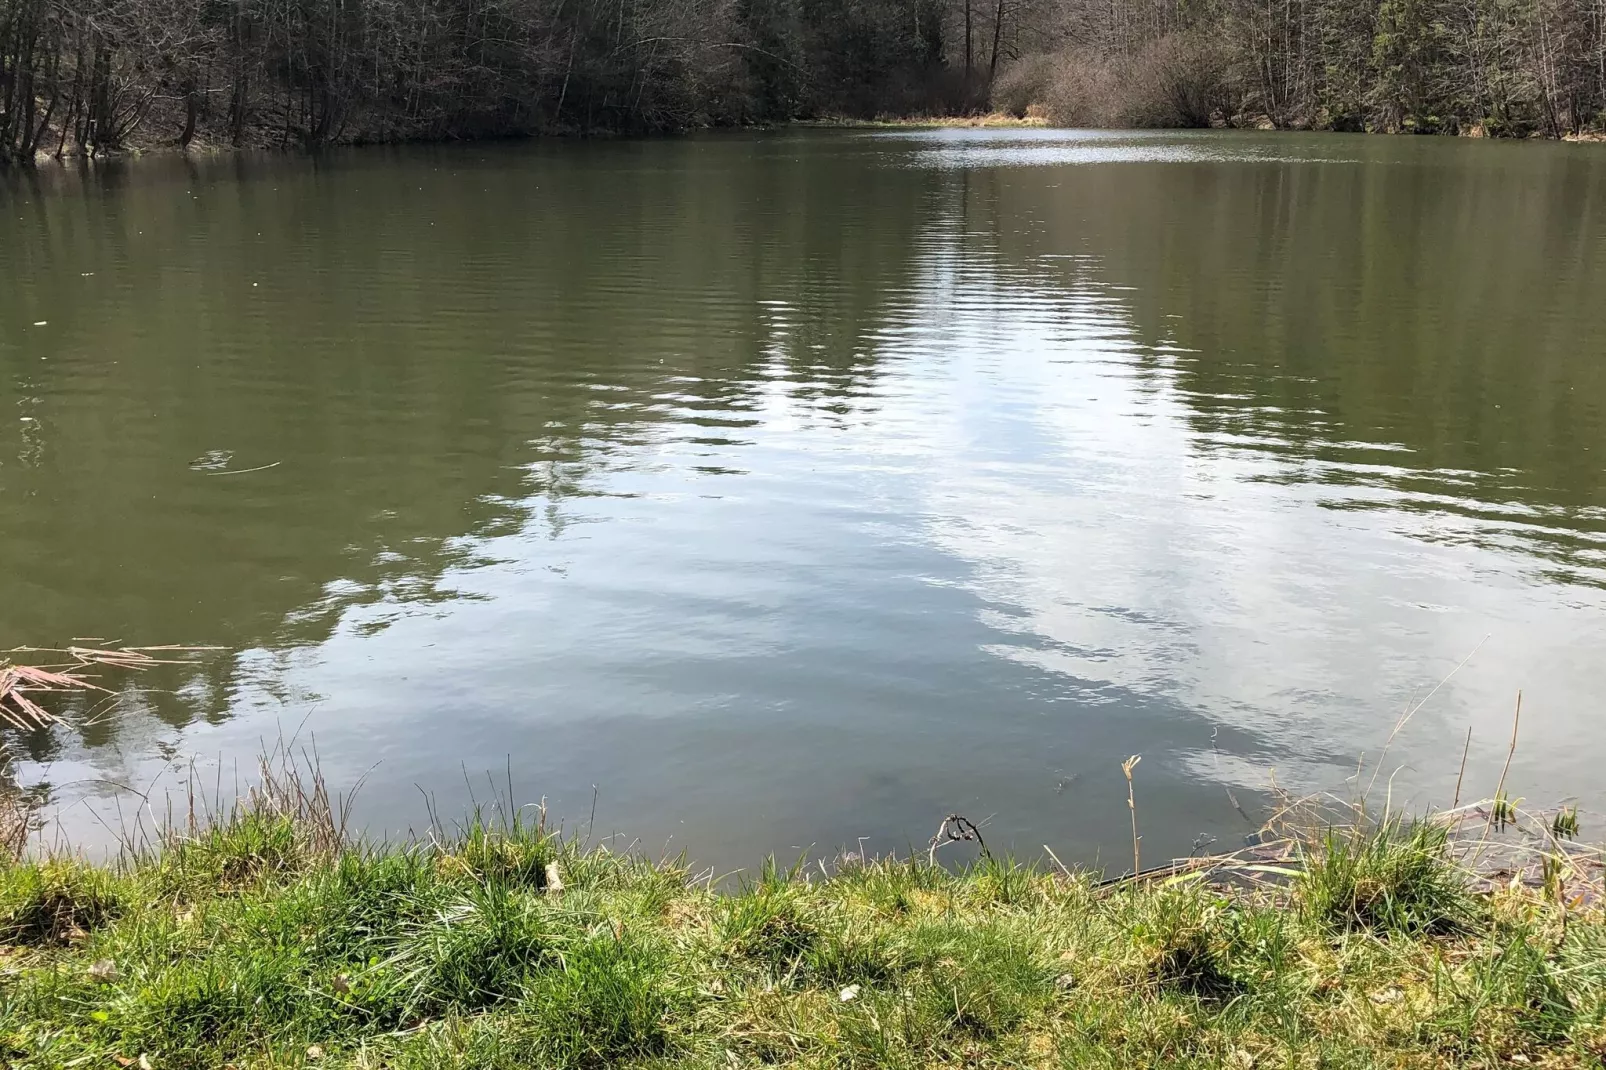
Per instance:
(15,823)
(135,658)
(116,656)
(1465,750)
(17,682)
(16,708)
(30,709)
(45,679)
(295,788)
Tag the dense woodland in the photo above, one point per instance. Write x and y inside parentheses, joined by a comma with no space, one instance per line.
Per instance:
(96,76)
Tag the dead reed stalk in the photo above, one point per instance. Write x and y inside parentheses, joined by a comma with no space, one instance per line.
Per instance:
(1462,774)
(1132,806)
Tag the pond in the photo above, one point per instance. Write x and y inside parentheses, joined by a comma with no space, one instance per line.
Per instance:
(756,493)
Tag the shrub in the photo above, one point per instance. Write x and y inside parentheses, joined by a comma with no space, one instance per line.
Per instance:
(1023,85)
(1085,92)
(1179,80)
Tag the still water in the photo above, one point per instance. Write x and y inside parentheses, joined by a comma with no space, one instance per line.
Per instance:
(774,492)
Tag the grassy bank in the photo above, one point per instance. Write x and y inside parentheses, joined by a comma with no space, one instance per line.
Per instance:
(265,939)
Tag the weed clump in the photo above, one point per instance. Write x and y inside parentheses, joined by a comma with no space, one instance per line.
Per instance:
(1178,933)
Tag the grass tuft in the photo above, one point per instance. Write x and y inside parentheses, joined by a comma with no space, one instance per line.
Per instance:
(1178,932)
(53,902)
(978,981)
(476,951)
(513,852)
(608,1003)
(1397,878)
(239,853)
(764,926)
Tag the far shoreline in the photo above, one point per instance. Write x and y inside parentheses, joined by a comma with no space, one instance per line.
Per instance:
(989,121)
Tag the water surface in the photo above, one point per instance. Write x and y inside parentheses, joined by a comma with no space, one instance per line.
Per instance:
(778,491)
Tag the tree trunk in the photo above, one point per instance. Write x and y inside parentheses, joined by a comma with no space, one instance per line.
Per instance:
(192,106)
(969,64)
(998,26)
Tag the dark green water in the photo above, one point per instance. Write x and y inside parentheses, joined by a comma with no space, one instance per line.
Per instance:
(797,488)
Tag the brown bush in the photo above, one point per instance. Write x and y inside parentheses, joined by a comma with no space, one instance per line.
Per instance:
(1086,92)
(1184,80)
(1024,84)
(1175,81)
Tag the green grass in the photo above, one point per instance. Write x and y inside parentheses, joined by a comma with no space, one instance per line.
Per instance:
(1389,879)
(254,943)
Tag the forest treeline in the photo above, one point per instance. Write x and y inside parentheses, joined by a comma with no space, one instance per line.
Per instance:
(1481,67)
(94,76)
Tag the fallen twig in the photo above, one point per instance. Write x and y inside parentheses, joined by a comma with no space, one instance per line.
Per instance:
(956,828)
